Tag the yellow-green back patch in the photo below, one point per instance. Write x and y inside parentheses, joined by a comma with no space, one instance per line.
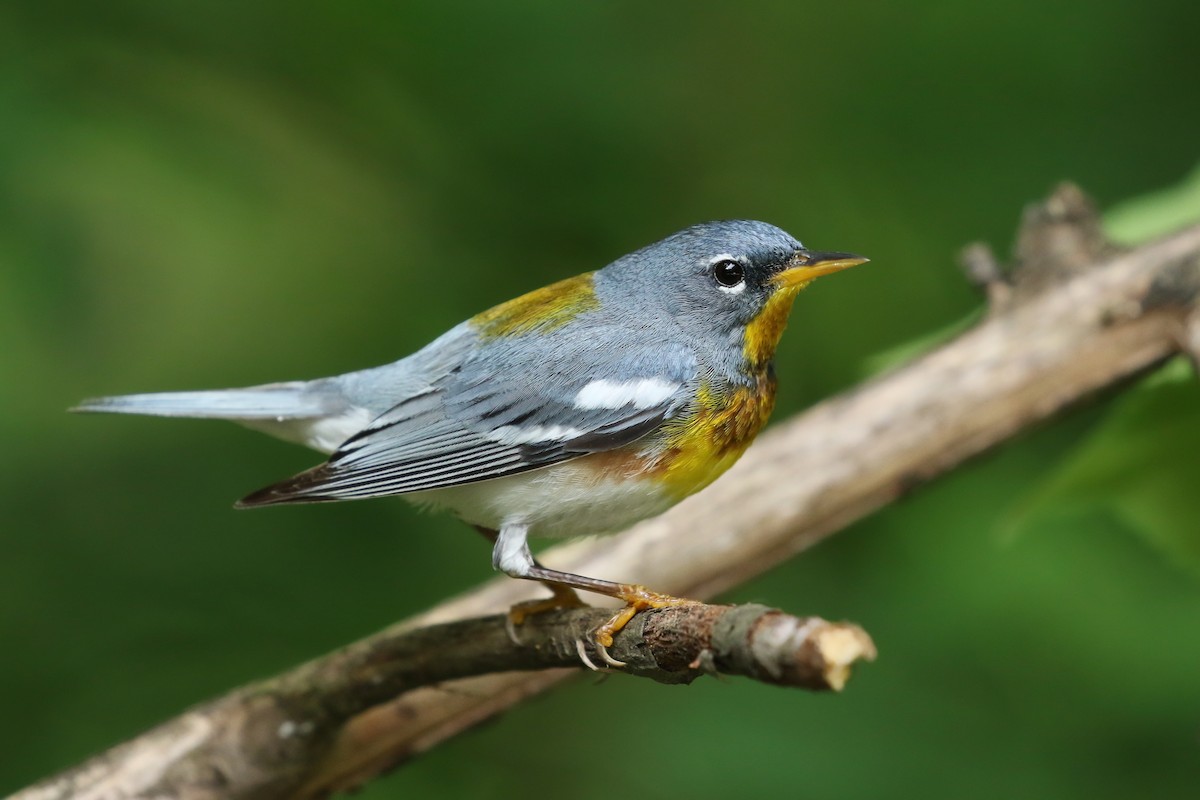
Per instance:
(542,309)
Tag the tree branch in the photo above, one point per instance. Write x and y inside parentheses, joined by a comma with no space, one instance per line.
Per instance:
(1075,316)
(260,740)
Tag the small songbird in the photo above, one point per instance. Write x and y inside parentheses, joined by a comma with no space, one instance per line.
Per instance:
(579,408)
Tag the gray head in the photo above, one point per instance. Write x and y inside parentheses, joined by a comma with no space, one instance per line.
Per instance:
(723,276)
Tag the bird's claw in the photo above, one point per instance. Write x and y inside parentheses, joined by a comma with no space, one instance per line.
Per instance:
(637,598)
(510,627)
(562,597)
(582,651)
(608,659)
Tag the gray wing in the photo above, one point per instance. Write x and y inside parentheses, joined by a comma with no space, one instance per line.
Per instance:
(511,406)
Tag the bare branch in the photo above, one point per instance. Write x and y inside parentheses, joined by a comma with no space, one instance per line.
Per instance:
(258,741)
(1079,317)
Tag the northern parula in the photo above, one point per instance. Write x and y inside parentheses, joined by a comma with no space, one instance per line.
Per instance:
(578,408)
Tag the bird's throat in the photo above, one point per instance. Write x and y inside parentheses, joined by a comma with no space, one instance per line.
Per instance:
(764,331)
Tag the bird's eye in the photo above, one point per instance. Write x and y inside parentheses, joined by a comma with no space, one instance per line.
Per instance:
(728,273)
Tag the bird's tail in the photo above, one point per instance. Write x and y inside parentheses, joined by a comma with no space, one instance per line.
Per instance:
(312,413)
(276,401)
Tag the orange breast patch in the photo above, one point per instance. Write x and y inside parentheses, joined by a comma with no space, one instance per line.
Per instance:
(702,444)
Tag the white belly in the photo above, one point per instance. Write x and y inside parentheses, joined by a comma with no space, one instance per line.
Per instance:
(563,500)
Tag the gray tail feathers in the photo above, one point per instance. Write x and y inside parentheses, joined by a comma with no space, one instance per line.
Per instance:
(276,401)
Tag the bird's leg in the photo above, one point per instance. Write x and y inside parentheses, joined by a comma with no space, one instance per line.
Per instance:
(512,557)
(561,595)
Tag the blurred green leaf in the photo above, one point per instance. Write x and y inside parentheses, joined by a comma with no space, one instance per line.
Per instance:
(1156,214)
(1130,222)
(1139,467)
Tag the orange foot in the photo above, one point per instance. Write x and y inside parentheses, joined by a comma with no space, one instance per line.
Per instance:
(637,598)
(561,597)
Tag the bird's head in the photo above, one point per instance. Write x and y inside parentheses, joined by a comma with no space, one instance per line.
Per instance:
(734,280)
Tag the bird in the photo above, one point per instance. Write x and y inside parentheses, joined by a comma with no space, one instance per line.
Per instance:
(576,409)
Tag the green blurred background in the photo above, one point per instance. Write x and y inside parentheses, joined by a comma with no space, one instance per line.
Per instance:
(204,195)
